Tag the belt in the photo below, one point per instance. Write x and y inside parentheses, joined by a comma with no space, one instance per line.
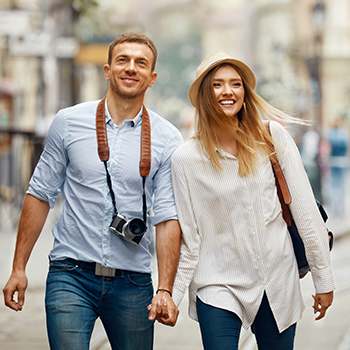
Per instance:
(98,270)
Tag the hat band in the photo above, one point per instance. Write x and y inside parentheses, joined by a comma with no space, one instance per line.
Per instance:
(220,59)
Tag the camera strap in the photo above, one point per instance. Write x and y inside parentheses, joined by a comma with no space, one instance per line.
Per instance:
(145,157)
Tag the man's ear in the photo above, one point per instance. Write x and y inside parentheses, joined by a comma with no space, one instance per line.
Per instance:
(153,79)
(107,71)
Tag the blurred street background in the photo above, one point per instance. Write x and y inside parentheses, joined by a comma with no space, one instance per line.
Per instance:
(52,54)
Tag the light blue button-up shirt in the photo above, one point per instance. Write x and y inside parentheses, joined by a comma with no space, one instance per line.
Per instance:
(70,162)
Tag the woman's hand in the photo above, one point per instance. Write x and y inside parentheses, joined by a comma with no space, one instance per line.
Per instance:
(322,302)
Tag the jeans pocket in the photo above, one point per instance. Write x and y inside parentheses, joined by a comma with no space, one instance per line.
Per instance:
(140,279)
(61,265)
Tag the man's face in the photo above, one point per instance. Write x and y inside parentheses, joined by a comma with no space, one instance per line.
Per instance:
(130,73)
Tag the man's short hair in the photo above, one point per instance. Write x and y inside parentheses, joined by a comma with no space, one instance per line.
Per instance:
(134,37)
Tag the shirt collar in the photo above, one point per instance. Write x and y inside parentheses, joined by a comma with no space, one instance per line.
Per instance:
(134,121)
(225,154)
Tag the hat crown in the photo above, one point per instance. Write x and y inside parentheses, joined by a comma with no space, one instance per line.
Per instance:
(211,60)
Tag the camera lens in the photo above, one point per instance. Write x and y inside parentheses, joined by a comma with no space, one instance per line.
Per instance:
(137,227)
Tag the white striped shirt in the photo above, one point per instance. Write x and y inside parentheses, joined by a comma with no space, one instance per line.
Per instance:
(235,243)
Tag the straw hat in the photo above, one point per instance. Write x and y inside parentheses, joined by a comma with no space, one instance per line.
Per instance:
(211,62)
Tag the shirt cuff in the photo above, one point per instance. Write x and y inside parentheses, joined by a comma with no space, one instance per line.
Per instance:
(178,295)
(170,214)
(42,196)
(323,280)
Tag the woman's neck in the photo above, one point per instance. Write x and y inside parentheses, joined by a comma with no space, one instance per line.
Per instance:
(226,141)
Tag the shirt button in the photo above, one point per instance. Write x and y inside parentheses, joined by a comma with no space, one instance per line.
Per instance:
(249,208)
(253,233)
(258,257)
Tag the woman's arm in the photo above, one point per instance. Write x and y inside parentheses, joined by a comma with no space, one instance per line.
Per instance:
(307,217)
(190,238)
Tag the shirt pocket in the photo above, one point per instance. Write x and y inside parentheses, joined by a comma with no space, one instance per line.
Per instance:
(269,200)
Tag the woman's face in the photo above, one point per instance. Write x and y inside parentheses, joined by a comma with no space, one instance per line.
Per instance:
(228,90)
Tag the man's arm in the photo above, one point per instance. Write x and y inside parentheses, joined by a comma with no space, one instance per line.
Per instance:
(168,243)
(32,220)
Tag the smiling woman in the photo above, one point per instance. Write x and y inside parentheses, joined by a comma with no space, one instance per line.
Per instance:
(237,257)
(228,89)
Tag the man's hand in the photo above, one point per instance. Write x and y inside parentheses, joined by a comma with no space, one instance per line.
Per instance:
(31,222)
(17,283)
(163,309)
(322,302)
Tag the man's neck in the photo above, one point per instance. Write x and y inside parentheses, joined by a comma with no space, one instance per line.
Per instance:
(121,109)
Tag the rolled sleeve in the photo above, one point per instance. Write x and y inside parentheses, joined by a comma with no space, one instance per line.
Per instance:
(49,173)
(42,195)
(164,203)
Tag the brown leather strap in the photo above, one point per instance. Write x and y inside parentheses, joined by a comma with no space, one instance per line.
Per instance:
(101,131)
(145,158)
(102,139)
(281,184)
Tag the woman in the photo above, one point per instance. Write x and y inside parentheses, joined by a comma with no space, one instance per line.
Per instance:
(237,257)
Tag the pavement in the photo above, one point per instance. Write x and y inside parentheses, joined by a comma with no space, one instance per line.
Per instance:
(26,330)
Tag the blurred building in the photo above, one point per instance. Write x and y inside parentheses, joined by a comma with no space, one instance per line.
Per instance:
(37,47)
(52,53)
(299,49)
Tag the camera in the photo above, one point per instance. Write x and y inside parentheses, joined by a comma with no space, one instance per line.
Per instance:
(132,230)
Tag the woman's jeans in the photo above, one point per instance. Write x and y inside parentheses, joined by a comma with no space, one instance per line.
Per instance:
(220,328)
(75,298)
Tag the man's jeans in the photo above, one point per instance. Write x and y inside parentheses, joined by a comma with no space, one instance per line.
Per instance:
(75,298)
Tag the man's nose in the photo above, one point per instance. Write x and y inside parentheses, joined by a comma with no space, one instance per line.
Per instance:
(131,66)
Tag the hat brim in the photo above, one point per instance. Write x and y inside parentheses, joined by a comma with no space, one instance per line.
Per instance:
(246,71)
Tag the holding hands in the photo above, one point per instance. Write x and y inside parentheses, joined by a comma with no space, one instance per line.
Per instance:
(163,308)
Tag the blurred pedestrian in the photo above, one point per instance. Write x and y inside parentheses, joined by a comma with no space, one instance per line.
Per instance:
(237,256)
(93,272)
(338,138)
(310,146)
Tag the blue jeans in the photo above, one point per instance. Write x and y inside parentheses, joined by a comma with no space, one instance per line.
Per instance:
(220,328)
(75,298)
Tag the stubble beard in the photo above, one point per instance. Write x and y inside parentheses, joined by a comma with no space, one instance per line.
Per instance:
(127,96)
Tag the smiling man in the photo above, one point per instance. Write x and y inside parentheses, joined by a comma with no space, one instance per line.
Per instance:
(100,261)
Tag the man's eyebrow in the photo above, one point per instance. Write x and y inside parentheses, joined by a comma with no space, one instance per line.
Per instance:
(141,58)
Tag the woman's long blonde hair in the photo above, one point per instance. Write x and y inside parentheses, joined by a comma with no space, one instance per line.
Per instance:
(250,131)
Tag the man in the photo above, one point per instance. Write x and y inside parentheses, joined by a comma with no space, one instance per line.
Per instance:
(94,272)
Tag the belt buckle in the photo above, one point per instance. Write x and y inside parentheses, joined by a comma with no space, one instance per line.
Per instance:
(104,271)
